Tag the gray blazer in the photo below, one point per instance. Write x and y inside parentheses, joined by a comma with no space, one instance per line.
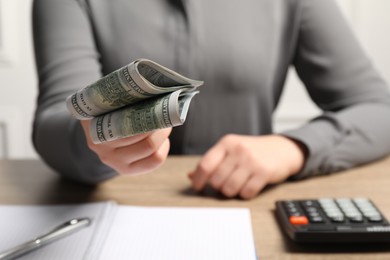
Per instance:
(241,51)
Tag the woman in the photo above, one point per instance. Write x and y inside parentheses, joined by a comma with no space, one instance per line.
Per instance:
(242,52)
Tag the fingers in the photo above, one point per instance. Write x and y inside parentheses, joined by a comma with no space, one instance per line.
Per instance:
(253,186)
(212,159)
(223,168)
(235,182)
(151,162)
(127,141)
(239,182)
(143,148)
(223,171)
(122,142)
(135,154)
(236,166)
(232,178)
(144,156)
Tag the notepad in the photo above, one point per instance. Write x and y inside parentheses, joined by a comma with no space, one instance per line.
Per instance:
(132,232)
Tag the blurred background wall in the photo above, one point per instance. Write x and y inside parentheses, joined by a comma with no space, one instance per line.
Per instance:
(18,88)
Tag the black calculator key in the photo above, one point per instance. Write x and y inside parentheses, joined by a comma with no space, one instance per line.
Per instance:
(308,203)
(293,209)
(311,209)
(317,219)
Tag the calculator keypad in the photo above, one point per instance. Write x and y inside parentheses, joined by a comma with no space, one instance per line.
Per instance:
(325,210)
(329,220)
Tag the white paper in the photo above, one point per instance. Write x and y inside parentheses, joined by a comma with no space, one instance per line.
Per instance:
(180,233)
(136,233)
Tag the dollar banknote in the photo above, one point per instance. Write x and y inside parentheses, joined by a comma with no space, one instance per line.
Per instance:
(141,79)
(164,111)
(137,98)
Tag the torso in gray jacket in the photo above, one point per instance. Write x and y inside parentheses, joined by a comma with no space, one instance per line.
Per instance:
(241,50)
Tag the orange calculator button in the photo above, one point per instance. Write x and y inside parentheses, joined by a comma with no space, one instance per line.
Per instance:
(299,220)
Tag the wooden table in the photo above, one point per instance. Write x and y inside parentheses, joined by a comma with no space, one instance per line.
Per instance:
(31,182)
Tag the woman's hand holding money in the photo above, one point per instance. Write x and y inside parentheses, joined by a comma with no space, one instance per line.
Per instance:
(132,155)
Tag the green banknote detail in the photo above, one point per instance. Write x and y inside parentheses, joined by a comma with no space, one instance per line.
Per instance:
(146,116)
(142,117)
(141,79)
(156,113)
(112,91)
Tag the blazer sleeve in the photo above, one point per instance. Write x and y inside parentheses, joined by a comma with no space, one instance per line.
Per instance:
(67,60)
(355,126)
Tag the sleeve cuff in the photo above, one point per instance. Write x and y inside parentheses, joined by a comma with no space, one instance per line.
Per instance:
(319,136)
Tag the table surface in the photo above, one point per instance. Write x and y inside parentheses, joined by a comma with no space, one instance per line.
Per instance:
(31,182)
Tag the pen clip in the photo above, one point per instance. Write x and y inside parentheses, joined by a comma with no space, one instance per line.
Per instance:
(63,230)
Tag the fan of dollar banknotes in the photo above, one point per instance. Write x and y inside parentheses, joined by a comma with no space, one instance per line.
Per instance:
(137,98)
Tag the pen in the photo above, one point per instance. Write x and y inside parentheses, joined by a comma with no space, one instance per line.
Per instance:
(65,229)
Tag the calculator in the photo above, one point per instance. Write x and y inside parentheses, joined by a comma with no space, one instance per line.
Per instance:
(333,220)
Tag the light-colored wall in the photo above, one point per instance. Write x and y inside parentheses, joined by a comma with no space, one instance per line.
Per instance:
(369,19)
(17,77)
(371,23)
